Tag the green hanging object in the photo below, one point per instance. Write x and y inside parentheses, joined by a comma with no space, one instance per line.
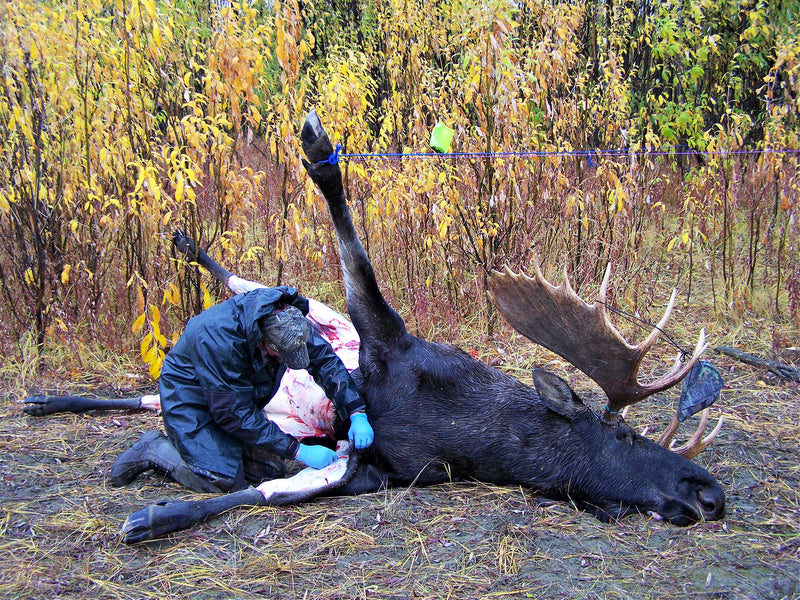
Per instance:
(442,138)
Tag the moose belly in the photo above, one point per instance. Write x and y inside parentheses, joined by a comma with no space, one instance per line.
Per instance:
(300,407)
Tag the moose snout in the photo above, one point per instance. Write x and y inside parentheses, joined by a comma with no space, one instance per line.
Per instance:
(711,502)
(696,500)
(704,497)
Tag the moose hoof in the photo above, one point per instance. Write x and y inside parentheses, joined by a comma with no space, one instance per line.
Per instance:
(316,144)
(38,406)
(183,243)
(158,520)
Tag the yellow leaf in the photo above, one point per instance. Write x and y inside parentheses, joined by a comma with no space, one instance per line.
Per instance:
(206,296)
(65,274)
(179,188)
(154,188)
(162,341)
(138,324)
(139,299)
(146,346)
(172,294)
(155,367)
(150,7)
(155,314)
(139,180)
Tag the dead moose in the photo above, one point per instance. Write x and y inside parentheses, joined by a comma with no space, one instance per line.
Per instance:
(439,414)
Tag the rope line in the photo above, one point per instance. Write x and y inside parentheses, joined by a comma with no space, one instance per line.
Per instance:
(337,156)
(642,322)
(589,154)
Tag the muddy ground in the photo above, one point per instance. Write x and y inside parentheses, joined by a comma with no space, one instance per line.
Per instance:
(60,524)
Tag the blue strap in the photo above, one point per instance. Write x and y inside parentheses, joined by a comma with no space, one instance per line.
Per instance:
(333,159)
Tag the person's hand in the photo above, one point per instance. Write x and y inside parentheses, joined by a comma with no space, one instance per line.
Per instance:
(316,457)
(360,434)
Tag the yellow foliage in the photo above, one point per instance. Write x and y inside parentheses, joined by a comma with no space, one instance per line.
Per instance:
(206,296)
(158,117)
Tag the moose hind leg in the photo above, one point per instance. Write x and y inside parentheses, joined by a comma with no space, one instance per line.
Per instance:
(375,321)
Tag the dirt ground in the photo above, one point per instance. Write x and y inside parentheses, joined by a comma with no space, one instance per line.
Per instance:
(60,523)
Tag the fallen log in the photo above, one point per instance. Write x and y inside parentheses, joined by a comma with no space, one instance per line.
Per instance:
(773,366)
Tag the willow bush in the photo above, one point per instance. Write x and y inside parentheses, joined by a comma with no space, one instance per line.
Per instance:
(660,136)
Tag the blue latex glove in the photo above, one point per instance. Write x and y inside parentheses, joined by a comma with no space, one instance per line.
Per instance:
(360,434)
(316,457)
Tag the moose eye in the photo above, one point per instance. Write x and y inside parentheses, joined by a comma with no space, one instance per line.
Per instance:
(624,436)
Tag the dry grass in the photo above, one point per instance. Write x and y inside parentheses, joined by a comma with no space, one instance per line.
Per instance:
(60,520)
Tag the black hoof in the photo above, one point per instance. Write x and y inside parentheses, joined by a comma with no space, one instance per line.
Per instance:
(184,244)
(38,406)
(159,520)
(316,145)
(167,517)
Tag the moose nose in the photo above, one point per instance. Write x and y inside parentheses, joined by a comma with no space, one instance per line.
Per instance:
(711,502)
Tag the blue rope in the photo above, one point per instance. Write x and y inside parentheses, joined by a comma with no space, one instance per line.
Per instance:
(333,159)
(662,151)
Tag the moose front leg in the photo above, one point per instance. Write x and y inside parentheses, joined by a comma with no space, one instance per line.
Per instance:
(168,517)
(38,406)
(165,517)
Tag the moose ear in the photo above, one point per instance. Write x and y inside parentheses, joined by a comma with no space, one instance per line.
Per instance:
(556,393)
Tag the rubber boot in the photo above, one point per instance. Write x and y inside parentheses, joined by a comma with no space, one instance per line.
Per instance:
(155,451)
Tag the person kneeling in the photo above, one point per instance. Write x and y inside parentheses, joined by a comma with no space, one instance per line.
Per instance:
(215,382)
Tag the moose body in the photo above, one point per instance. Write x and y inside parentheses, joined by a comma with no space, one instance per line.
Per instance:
(438,413)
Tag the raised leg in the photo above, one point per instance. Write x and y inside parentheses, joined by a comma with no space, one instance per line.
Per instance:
(372,316)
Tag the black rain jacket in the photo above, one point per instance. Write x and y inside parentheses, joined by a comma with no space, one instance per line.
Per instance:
(217,379)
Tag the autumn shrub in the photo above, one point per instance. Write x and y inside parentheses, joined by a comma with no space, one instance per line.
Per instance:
(660,137)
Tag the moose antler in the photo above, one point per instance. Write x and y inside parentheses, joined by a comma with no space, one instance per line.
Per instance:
(696,444)
(581,333)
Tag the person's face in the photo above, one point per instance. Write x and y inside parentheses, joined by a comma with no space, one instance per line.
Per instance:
(273,353)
